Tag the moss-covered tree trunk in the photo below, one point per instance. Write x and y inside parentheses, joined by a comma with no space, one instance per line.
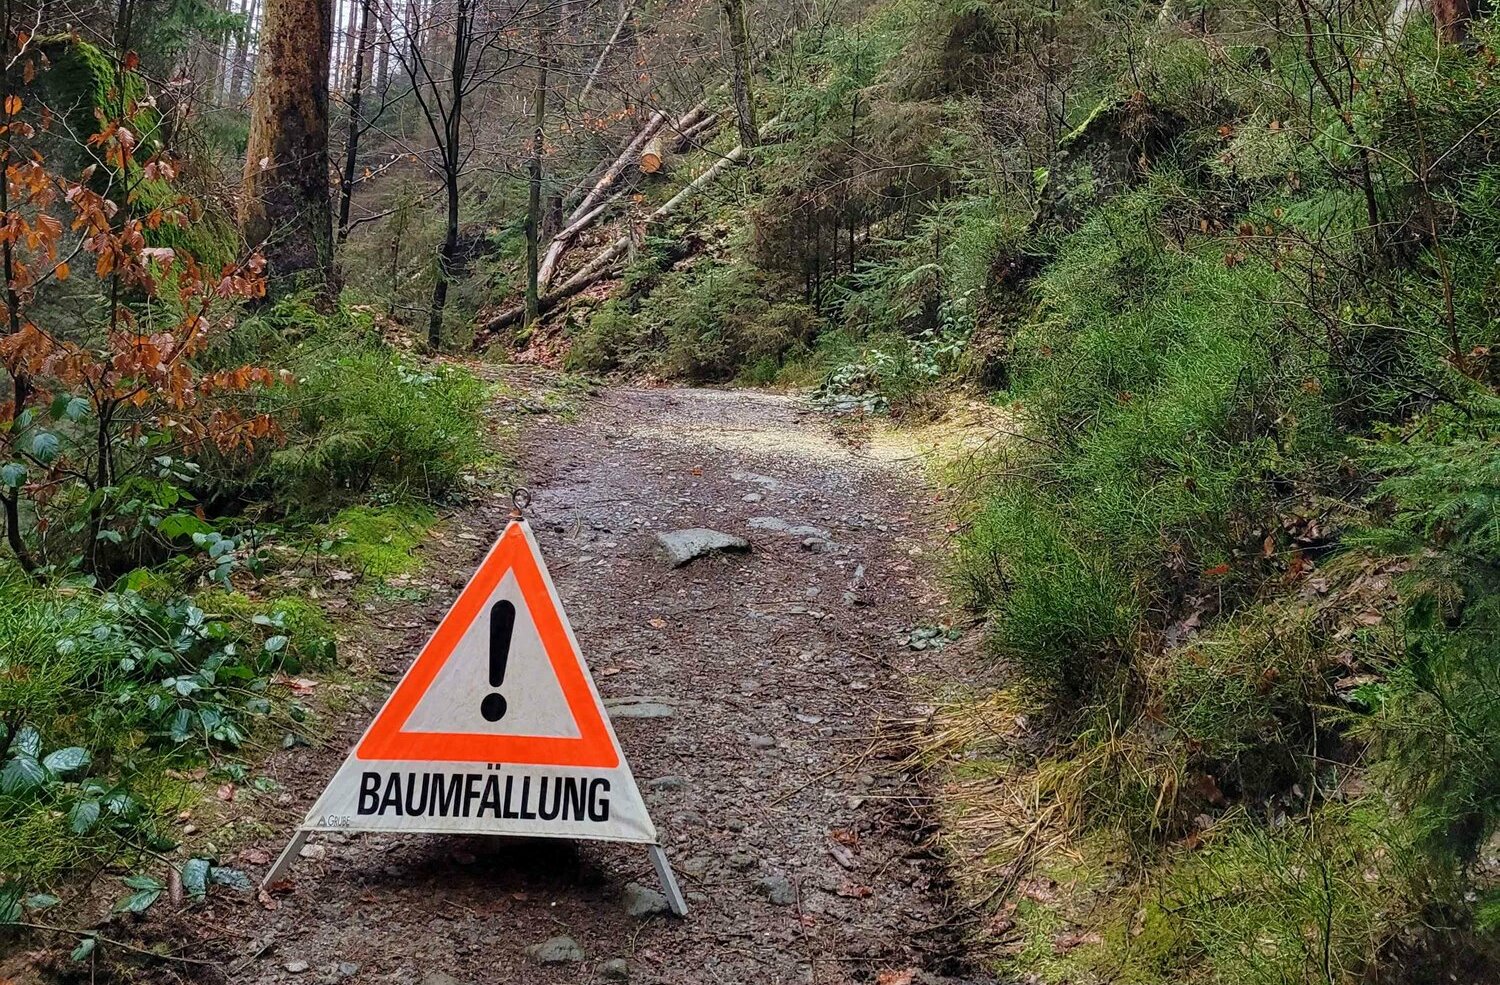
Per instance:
(284,203)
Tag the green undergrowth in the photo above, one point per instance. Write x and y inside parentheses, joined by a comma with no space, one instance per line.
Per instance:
(110,699)
(139,693)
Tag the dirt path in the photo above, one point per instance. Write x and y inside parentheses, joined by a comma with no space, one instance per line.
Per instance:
(745,690)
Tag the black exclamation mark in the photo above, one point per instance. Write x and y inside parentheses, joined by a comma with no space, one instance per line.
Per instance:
(502,622)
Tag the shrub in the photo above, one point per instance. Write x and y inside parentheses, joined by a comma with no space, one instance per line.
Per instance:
(612,339)
(1059,611)
(369,420)
(102,693)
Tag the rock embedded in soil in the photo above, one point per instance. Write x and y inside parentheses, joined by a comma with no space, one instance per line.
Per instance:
(440,978)
(614,970)
(637,708)
(556,950)
(296,967)
(778,525)
(777,889)
(679,547)
(642,901)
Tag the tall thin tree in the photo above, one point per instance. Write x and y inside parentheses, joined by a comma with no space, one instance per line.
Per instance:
(737,38)
(544,29)
(356,123)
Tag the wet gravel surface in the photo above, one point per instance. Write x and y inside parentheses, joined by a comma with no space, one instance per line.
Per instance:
(747,691)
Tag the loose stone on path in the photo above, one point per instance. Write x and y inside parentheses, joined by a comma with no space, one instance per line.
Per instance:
(679,547)
(556,950)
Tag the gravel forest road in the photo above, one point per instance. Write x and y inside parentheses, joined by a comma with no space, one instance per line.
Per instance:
(747,692)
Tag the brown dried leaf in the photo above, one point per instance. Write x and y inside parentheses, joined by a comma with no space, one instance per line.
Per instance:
(891,977)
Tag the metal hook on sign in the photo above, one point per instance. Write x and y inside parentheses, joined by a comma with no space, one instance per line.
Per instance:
(520,501)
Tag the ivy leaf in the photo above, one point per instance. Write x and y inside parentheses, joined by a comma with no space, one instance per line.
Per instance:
(276,644)
(12,475)
(64,761)
(84,949)
(22,774)
(142,881)
(195,877)
(40,901)
(83,816)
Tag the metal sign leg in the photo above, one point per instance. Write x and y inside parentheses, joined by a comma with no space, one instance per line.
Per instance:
(668,881)
(284,861)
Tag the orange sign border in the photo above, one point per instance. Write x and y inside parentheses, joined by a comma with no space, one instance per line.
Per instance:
(594,747)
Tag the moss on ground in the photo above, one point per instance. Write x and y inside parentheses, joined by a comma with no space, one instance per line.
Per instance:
(379,541)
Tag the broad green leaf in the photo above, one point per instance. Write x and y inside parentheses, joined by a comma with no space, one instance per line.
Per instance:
(22,774)
(138,902)
(10,906)
(83,816)
(84,949)
(142,881)
(40,901)
(182,525)
(45,446)
(276,644)
(28,742)
(67,407)
(195,877)
(12,475)
(64,761)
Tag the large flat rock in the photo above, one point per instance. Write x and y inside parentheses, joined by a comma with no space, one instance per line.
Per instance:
(679,547)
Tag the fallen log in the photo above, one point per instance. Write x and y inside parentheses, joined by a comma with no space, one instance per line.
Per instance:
(605,259)
(587,211)
(589,206)
(654,155)
(694,134)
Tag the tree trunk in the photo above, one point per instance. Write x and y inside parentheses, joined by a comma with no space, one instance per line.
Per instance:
(614,39)
(452,165)
(284,205)
(242,56)
(739,63)
(383,51)
(534,199)
(356,91)
(1452,18)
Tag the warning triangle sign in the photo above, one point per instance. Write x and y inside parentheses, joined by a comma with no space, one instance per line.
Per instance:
(496,728)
